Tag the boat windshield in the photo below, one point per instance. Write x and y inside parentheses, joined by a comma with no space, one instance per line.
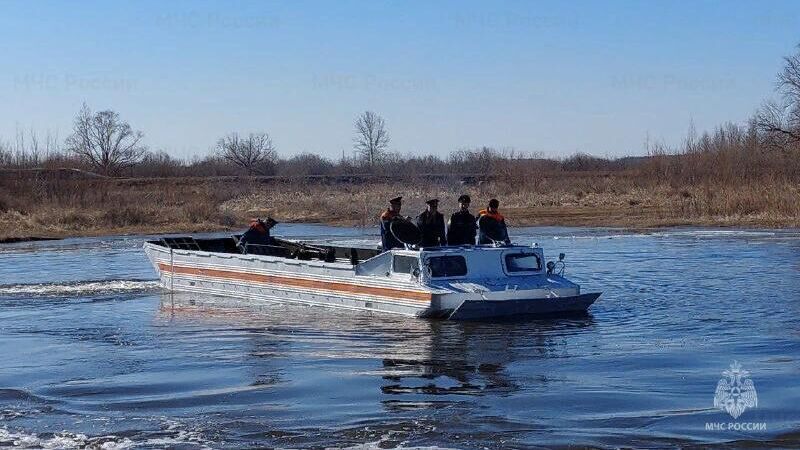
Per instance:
(447,266)
(405,264)
(523,262)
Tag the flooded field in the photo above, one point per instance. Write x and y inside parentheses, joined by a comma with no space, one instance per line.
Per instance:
(95,355)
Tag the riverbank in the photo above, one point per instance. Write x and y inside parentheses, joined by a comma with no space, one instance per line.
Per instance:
(53,208)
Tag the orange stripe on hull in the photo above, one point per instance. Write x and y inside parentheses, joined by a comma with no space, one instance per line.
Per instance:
(301,283)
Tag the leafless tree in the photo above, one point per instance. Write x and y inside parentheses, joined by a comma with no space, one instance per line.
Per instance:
(306,164)
(482,160)
(371,139)
(252,152)
(774,120)
(105,142)
(780,121)
(6,157)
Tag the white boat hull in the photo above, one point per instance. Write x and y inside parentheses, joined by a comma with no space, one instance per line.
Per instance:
(317,283)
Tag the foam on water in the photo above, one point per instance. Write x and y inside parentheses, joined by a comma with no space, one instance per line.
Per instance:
(68,440)
(716,233)
(21,439)
(167,433)
(79,288)
(604,236)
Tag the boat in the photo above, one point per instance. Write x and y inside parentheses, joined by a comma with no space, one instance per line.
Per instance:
(455,282)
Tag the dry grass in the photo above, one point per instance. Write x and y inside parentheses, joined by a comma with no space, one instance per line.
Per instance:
(732,176)
(53,206)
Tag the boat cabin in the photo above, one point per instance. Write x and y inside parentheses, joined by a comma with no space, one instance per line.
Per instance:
(457,263)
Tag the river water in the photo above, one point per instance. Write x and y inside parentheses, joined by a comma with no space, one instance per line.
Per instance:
(94,355)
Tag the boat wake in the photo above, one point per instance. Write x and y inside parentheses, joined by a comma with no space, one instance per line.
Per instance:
(79,288)
(60,440)
(168,437)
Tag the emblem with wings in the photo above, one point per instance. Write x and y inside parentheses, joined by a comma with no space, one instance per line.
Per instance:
(735,391)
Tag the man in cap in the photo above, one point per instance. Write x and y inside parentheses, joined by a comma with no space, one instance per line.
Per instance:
(431,224)
(492,225)
(461,228)
(258,234)
(388,240)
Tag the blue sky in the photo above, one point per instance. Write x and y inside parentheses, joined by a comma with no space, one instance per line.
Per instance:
(549,77)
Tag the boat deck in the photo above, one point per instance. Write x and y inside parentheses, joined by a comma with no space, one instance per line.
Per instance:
(279,248)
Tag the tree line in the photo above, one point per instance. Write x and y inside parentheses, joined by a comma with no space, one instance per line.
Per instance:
(108,145)
(102,142)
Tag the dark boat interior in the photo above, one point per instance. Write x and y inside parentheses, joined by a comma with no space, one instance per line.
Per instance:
(279,247)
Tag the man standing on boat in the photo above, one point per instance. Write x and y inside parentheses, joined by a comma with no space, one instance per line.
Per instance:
(388,240)
(492,225)
(258,234)
(431,224)
(461,228)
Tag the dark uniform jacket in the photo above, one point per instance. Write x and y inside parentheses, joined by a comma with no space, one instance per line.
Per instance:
(388,241)
(432,228)
(461,229)
(492,229)
(255,235)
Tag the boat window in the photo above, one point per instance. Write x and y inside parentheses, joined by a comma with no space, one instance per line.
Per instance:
(405,264)
(447,266)
(523,262)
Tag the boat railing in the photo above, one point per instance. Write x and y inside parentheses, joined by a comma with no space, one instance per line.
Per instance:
(180,243)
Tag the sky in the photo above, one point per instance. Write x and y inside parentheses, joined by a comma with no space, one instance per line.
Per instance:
(552,78)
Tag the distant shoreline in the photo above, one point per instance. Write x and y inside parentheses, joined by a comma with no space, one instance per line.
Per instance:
(52,206)
(14,240)
(567,218)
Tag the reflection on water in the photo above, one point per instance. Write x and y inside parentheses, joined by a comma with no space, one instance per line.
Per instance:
(94,357)
(427,357)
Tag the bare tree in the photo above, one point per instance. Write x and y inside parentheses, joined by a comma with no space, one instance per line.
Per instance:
(483,160)
(775,121)
(306,164)
(105,142)
(251,153)
(780,121)
(6,157)
(371,139)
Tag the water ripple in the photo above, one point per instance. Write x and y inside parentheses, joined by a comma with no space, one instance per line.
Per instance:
(96,356)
